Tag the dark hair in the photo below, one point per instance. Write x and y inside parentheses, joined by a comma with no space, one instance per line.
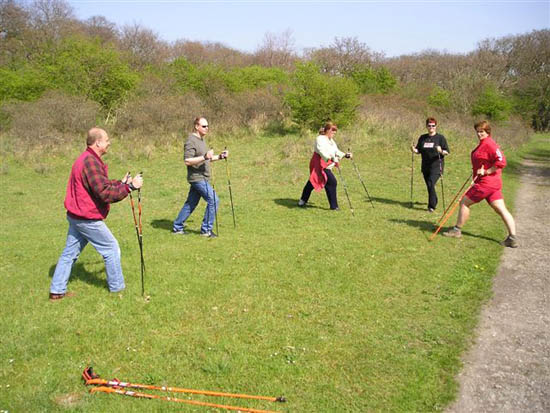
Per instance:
(431,120)
(328,126)
(484,125)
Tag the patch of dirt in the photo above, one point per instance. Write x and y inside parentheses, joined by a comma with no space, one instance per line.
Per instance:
(69,400)
(508,367)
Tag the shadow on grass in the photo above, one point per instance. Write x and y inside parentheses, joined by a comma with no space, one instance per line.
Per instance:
(78,271)
(404,204)
(429,227)
(293,203)
(162,224)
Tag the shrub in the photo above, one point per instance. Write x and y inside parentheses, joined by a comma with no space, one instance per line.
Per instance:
(492,104)
(254,77)
(315,98)
(25,83)
(50,119)
(372,80)
(440,98)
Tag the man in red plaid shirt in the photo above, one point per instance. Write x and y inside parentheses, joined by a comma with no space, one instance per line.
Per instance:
(89,195)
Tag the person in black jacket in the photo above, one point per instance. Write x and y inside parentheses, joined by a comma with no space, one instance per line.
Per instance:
(433,148)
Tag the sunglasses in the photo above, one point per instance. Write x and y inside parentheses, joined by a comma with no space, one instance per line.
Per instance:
(203,126)
(431,125)
(334,130)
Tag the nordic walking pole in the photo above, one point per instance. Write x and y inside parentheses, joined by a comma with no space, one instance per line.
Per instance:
(441,178)
(214,196)
(455,197)
(138,233)
(230,192)
(345,188)
(174,399)
(359,176)
(91,378)
(412,175)
(452,209)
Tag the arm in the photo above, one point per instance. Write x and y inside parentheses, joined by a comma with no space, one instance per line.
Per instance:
(99,185)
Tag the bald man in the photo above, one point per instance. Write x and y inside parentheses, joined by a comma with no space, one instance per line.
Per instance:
(89,195)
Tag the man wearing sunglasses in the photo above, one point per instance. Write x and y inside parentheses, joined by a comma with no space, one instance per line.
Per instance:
(197,158)
(433,147)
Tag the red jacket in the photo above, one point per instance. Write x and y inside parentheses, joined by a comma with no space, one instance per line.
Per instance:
(317,175)
(89,190)
(488,154)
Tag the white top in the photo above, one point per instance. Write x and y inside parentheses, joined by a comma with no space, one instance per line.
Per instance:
(327,149)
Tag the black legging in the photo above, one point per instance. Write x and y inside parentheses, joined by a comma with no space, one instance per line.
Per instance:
(431,176)
(330,189)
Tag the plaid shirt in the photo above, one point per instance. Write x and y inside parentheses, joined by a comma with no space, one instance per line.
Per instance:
(97,183)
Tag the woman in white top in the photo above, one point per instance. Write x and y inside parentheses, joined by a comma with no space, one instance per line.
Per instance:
(326,155)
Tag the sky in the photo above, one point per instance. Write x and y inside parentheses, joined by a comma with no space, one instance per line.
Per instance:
(391,27)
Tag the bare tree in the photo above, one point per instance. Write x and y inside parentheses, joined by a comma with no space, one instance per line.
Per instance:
(209,52)
(100,27)
(143,46)
(276,50)
(343,56)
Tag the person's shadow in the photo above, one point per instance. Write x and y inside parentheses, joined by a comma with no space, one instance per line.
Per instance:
(78,271)
(167,225)
(404,204)
(292,203)
(428,228)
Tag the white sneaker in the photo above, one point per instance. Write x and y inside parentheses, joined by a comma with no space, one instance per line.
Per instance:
(301,203)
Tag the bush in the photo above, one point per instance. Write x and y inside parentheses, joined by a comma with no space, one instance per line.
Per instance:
(254,77)
(440,98)
(85,67)
(49,120)
(372,80)
(315,98)
(26,83)
(492,104)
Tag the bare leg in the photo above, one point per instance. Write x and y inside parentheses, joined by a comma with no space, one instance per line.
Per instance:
(500,208)
(464,211)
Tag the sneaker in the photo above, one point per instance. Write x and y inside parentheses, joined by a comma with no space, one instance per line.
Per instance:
(511,241)
(209,234)
(178,231)
(431,210)
(301,203)
(454,232)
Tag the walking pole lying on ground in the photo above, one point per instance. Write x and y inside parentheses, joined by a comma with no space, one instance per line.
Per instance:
(455,197)
(359,176)
(446,217)
(412,175)
(345,188)
(116,386)
(139,234)
(230,193)
(441,178)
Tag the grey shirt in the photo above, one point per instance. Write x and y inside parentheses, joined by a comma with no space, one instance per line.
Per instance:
(195,146)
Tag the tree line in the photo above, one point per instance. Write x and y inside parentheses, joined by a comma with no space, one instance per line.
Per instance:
(132,78)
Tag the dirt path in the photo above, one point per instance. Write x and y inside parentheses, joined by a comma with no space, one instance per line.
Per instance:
(508,367)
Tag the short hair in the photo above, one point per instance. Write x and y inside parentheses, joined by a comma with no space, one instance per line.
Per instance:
(197,121)
(483,125)
(94,135)
(431,120)
(328,126)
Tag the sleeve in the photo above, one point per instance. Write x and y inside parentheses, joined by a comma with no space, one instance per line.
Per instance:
(189,150)
(499,161)
(96,181)
(444,144)
(323,148)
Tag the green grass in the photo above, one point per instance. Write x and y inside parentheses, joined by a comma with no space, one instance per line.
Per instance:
(337,313)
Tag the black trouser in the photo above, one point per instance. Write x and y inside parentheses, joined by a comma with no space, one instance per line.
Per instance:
(431,173)
(330,189)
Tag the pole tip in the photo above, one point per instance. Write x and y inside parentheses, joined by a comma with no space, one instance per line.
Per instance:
(281,399)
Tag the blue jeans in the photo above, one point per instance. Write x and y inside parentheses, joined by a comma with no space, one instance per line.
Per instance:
(197,191)
(82,231)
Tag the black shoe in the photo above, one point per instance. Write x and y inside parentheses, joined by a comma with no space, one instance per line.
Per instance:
(209,234)
(511,242)
(179,231)
(430,210)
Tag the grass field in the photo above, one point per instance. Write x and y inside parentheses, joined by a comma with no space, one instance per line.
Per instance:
(335,312)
